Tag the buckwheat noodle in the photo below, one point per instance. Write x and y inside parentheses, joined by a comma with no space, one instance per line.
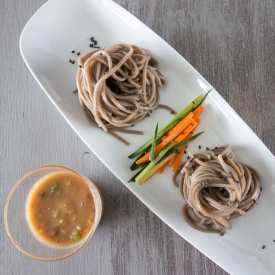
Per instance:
(216,189)
(118,86)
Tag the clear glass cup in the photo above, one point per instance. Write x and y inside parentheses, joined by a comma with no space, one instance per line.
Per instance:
(18,228)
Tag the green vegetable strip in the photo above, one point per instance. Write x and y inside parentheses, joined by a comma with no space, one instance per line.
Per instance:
(162,160)
(144,165)
(154,162)
(152,151)
(189,108)
(202,100)
(155,169)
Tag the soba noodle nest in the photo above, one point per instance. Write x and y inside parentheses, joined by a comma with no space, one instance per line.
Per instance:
(216,189)
(118,86)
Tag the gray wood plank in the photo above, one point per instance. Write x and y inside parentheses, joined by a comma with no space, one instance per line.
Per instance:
(231,43)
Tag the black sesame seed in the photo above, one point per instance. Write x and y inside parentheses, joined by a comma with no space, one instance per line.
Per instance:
(73,62)
(73,51)
(188,157)
(78,53)
(91,45)
(70,61)
(261,188)
(199,147)
(207,148)
(148,115)
(184,151)
(263,247)
(193,102)
(80,66)
(92,38)
(172,112)
(151,111)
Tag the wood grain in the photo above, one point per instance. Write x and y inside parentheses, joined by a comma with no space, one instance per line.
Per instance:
(231,43)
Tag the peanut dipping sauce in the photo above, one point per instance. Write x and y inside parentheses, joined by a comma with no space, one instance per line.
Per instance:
(60,209)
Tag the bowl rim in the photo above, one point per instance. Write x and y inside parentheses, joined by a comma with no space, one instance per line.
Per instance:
(7,208)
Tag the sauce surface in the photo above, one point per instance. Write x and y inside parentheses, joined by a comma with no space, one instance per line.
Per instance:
(60,209)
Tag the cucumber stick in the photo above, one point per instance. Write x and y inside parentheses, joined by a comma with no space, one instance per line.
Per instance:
(152,151)
(154,169)
(149,167)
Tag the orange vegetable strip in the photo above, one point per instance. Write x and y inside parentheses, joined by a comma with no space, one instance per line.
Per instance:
(171,131)
(197,112)
(189,130)
(172,160)
(188,117)
(182,125)
(160,170)
(179,156)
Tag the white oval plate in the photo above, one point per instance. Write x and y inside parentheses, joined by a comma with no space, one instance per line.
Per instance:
(46,43)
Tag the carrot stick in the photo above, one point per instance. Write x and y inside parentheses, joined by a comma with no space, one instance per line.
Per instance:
(187,131)
(160,170)
(197,112)
(178,159)
(164,137)
(172,160)
(175,132)
(179,156)
(186,119)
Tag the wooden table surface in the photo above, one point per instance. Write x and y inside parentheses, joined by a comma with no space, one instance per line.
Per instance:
(231,43)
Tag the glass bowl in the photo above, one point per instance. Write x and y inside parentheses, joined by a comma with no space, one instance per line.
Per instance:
(18,228)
